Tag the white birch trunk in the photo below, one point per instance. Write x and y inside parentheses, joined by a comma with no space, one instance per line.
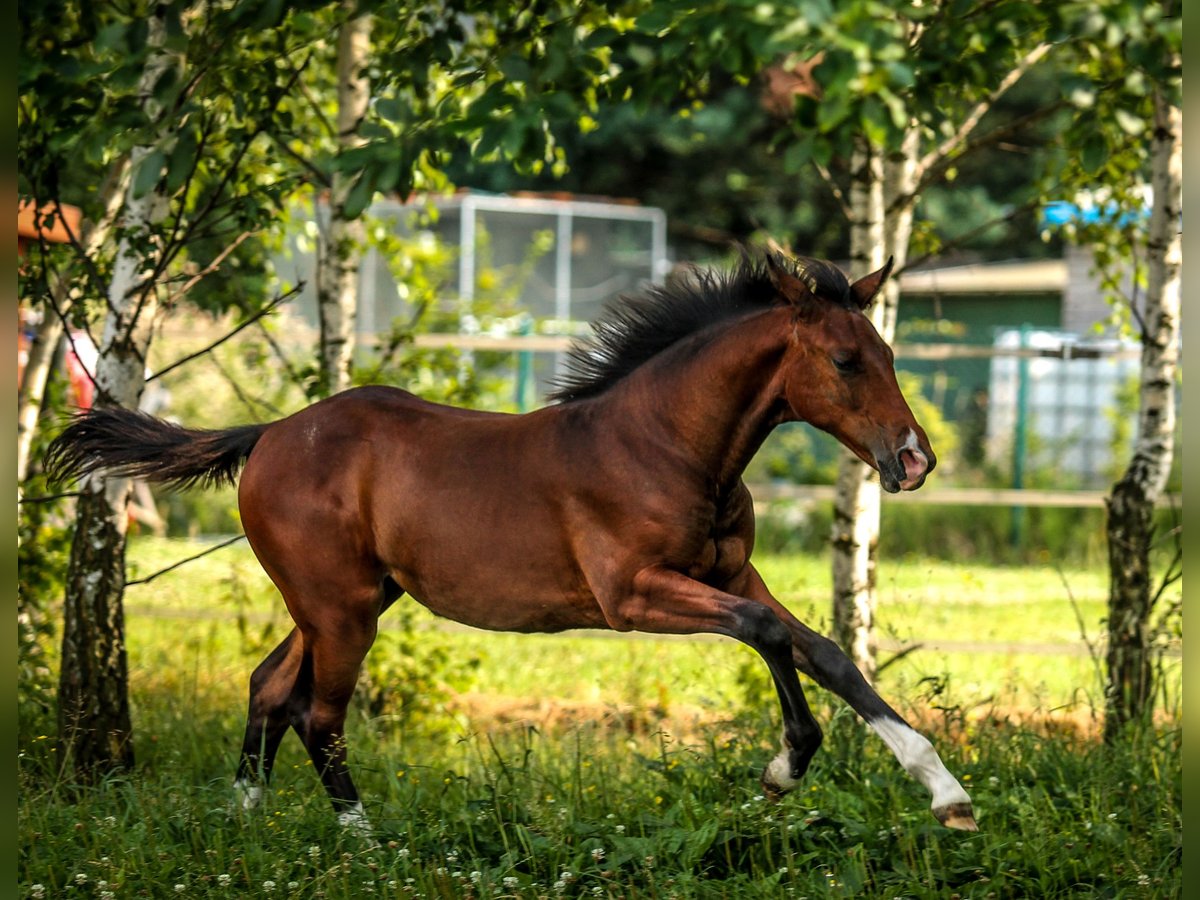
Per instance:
(882,227)
(1130,528)
(93,716)
(339,250)
(33,388)
(856,505)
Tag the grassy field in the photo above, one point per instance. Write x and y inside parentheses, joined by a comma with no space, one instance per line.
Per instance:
(575,766)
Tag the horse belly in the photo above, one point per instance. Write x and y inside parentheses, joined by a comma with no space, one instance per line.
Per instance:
(504,573)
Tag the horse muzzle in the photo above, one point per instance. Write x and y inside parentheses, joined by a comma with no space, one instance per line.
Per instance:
(905,468)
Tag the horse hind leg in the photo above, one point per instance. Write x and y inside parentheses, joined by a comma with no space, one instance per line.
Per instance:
(271,689)
(330,672)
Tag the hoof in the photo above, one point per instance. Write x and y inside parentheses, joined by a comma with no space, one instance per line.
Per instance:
(957,815)
(772,791)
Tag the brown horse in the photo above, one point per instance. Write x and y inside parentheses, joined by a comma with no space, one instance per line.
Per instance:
(621,506)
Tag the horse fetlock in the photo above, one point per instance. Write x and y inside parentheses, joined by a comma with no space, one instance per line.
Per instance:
(354,819)
(247,795)
(783,773)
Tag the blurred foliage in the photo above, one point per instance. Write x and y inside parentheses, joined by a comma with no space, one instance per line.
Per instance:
(43,548)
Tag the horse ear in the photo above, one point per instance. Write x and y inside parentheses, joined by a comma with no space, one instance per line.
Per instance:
(865,289)
(791,288)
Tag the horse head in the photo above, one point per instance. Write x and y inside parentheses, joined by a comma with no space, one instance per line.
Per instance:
(839,374)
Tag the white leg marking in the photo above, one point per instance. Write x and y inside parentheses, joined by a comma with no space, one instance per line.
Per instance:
(249,795)
(779,772)
(921,761)
(354,819)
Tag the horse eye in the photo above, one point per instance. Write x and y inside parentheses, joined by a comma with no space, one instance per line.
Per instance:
(846,364)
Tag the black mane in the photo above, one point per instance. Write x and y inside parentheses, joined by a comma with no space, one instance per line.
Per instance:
(635,328)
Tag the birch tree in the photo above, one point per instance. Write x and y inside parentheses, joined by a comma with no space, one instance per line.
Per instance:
(341,241)
(93,702)
(915,93)
(154,86)
(1129,692)
(1127,64)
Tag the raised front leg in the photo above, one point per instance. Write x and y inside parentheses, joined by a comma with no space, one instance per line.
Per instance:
(667,602)
(824,661)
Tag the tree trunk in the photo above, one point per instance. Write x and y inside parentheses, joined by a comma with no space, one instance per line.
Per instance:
(94,729)
(339,250)
(33,388)
(882,205)
(1129,691)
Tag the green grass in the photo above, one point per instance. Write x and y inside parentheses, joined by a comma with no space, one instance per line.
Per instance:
(470,804)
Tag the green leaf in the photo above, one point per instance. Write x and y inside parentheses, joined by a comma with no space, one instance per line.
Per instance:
(1094,153)
(148,172)
(797,155)
(182,160)
(111,37)
(516,68)
(359,197)
(391,108)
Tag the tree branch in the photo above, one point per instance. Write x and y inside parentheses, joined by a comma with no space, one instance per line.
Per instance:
(246,400)
(274,345)
(952,143)
(210,268)
(827,177)
(173,566)
(217,343)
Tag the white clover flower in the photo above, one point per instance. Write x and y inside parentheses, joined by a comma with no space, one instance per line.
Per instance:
(180,888)
(80,878)
(314,851)
(223,880)
(619,829)
(292,885)
(511,881)
(598,854)
(268,886)
(37,891)
(403,852)
(107,895)
(1143,880)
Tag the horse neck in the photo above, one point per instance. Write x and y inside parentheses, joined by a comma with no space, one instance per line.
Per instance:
(713,398)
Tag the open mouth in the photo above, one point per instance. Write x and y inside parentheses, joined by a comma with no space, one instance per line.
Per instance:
(916,464)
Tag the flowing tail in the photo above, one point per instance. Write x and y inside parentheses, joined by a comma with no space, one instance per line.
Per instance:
(134,444)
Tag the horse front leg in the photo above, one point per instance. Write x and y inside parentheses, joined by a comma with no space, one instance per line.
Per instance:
(824,661)
(667,602)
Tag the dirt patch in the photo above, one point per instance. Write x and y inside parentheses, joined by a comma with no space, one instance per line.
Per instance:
(550,714)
